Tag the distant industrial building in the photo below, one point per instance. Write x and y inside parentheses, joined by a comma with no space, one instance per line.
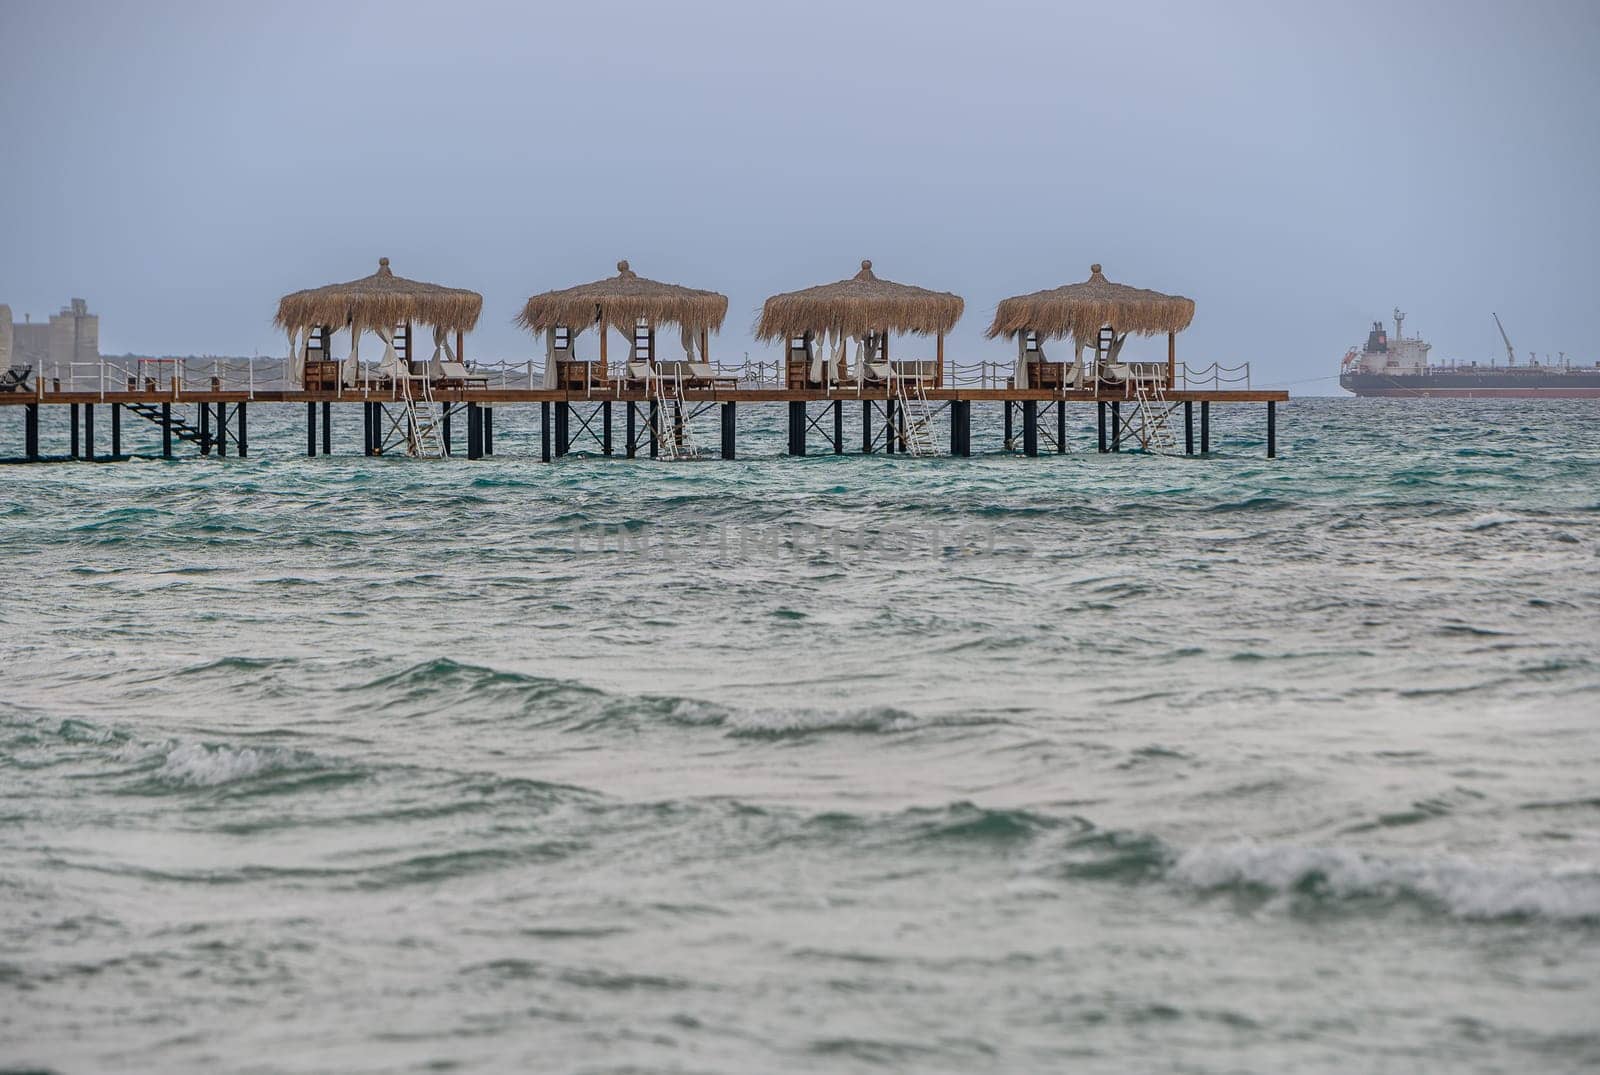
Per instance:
(73,335)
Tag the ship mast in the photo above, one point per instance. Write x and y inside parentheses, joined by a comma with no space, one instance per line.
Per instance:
(1511,353)
(1399,324)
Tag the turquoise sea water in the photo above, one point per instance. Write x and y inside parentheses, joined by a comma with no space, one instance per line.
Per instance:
(1091,763)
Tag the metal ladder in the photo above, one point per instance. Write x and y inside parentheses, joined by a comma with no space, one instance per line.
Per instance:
(180,428)
(422,431)
(674,431)
(422,423)
(917,420)
(1047,433)
(1152,431)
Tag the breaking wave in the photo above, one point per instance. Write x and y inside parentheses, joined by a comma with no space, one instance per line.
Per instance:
(1311,876)
(199,765)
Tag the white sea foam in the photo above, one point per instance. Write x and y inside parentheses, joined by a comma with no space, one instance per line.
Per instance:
(198,765)
(1491,520)
(1464,888)
(803,721)
(135,751)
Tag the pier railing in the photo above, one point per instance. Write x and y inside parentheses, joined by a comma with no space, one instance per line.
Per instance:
(169,376)
(1214,377)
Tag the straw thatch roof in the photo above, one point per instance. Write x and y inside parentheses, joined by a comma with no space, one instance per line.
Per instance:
(1081,310)
(624,299)
(380,300)
(857,306)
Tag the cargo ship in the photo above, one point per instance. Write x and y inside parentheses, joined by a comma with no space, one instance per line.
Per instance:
(1399,366)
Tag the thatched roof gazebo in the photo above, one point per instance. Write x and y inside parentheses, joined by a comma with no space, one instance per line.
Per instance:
(383,303)
(863,307)
(631,303)
(1086,313)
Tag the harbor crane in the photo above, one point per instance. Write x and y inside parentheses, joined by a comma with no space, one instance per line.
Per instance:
(1511,354)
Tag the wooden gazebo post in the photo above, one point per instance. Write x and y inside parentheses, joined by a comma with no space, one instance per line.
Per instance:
(1172,360)
(938,361)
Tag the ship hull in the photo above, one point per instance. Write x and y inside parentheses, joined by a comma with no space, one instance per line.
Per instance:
(1481,386)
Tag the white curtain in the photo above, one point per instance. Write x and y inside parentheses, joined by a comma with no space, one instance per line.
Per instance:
(389,368)
(442,353)
(297,360)
(350,372)
(1019,374)
(818,353)
(865,353)
(686,335)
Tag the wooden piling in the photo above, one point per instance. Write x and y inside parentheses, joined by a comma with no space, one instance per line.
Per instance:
(960,428)
(729,430)
(218,426)
(544,432)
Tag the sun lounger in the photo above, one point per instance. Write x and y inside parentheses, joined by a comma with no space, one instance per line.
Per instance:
(455,373)
(702,373)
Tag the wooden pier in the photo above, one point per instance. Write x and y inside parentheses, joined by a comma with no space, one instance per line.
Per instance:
(410,404)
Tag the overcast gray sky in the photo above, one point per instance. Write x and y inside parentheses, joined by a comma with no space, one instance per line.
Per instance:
(1296,168)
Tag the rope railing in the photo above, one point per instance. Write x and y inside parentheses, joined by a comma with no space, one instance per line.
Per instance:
(1213,377)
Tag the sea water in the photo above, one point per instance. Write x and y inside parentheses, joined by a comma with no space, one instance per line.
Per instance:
(1085,762)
